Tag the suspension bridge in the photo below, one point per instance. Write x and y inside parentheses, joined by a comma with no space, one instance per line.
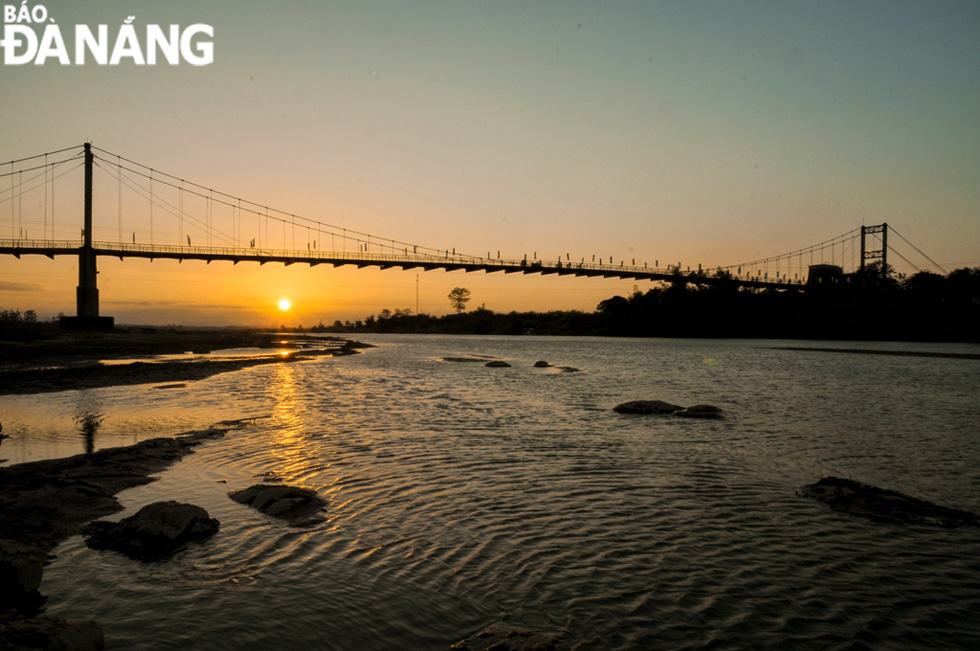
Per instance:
(169,218)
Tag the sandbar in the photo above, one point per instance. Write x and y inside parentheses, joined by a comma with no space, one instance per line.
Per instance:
(74,363)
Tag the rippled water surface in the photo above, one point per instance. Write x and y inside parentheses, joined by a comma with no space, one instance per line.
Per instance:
(459,495)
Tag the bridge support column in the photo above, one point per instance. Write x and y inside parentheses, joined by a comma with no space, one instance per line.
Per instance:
(87,293)
(875,254)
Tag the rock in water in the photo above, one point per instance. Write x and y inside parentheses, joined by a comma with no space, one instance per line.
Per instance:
(701,411)
(155,532)
(647,407)
(298,506)
(883,505)
(541,364)
(502,637)
(21,569)
(49,633)
(497,363)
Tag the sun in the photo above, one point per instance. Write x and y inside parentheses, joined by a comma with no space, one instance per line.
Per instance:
(284,304)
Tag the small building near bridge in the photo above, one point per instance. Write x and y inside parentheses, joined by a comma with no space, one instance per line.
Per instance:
(825,275)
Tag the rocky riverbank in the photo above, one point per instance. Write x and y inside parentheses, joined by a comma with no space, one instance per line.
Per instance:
(44,502)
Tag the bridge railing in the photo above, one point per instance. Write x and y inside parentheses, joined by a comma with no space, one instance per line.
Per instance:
(364,258)
(393,258)
(408,259)
(37,245)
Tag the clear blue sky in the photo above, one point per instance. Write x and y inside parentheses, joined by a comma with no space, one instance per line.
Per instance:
(700,132)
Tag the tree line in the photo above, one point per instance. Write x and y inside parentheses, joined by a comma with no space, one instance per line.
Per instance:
(16,325)
(870,304)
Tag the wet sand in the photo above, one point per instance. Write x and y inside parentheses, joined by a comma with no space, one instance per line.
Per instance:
(67,362)
(59,348)
(102,375)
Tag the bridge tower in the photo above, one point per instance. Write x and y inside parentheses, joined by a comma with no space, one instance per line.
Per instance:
(875,254)
(87,293)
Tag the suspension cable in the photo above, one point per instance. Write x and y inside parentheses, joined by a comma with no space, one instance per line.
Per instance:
(31,179)
(169,208)
(44,233)
(810,249)
(49,153)
(907,261)
(892,229)
(318,225)
(120,204)
(362,240)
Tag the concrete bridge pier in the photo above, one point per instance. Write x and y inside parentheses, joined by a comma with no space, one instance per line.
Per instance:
(87,293)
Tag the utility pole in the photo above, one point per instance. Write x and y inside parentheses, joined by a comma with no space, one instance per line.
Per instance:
(416,294)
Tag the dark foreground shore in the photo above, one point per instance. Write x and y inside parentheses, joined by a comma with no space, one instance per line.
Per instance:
(44,502)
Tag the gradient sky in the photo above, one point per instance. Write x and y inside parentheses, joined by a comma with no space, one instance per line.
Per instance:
(695,132)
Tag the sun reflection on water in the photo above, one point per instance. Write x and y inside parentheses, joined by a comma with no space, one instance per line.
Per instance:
(289,439)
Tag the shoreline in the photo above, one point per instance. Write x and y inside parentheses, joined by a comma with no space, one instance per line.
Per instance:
(43,503)
(865,351)
(80,369)
(97,375)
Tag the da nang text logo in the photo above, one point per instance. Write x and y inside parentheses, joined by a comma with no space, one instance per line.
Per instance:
(31,36)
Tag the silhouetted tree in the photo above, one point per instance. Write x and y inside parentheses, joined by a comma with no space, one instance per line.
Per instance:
(458,298)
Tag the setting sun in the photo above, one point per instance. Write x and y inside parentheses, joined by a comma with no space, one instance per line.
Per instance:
(284,304)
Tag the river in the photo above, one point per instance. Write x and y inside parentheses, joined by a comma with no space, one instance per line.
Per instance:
(459,495)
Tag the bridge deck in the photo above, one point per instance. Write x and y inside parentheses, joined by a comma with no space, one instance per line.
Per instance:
(361,260)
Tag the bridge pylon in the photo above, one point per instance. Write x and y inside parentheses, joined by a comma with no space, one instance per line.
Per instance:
(87,293)
(875,254)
